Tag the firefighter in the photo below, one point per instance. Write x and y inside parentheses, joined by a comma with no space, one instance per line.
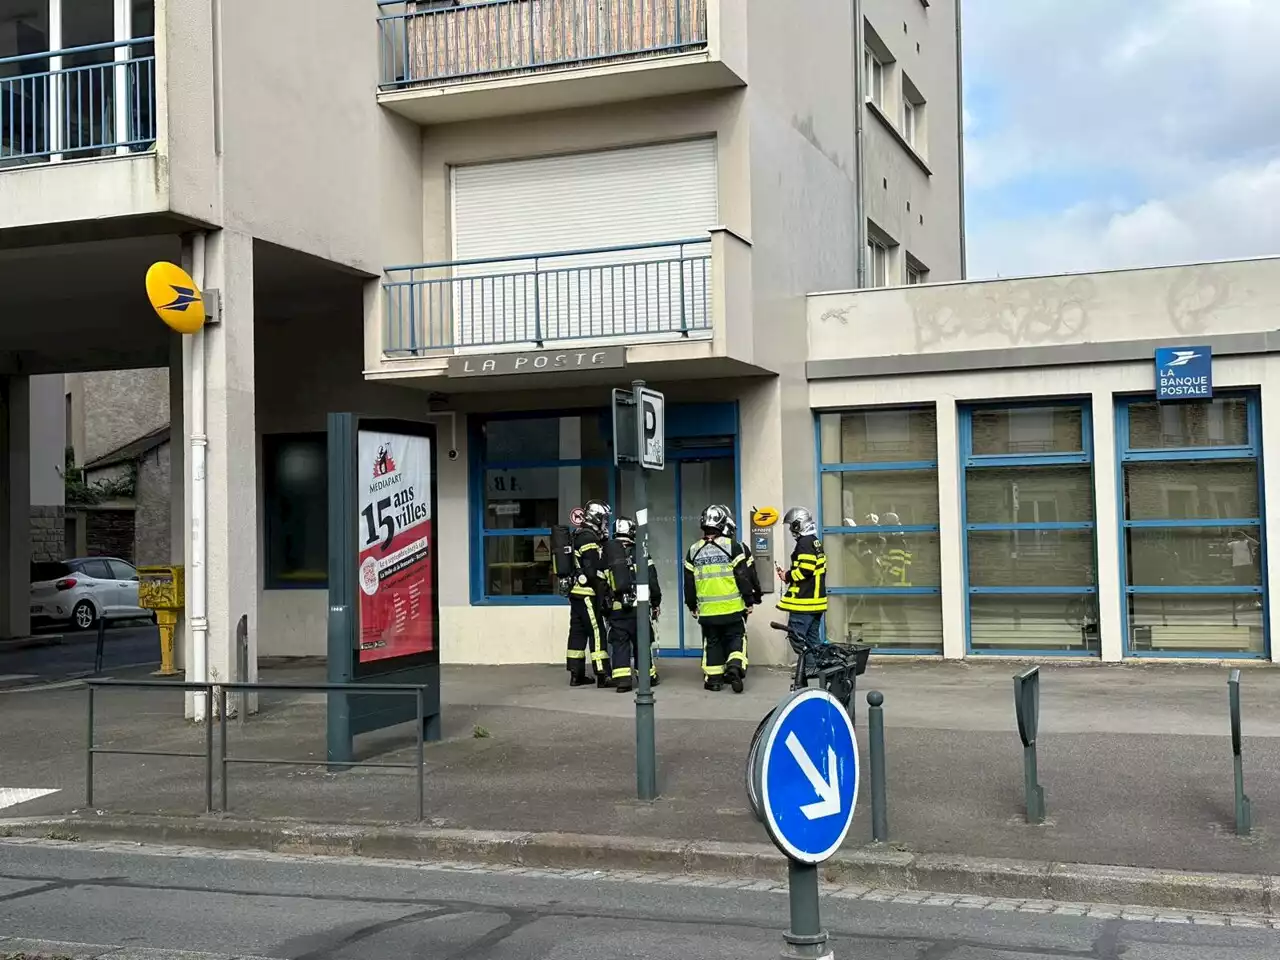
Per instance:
(757,592)
(588,596)
(718,592)
(621,573)
(804,597)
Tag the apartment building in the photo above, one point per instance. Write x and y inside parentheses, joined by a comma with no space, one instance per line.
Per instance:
(483,214)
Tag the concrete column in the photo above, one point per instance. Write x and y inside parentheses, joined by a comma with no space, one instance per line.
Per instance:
(951,530)
(232,454)
(1111,594)
(179,516)
(15,507)
(762,484)
(1270,403)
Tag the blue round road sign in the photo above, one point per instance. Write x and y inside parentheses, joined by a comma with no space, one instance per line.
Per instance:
(807,775)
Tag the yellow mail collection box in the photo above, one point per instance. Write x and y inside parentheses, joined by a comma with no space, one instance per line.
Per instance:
(163,589)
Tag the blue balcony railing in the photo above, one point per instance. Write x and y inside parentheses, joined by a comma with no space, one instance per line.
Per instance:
(79,102)
(429,41)
(652,291)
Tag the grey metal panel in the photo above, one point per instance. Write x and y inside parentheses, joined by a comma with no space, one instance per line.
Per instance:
(958,361)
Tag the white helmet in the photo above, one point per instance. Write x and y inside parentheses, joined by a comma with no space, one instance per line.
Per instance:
(800,522)
(624,528)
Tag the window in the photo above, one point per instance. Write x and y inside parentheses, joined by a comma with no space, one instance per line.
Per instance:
(879,519)
(875,74)
(912,117)
(909,121)
(121,570)
(877,263)
(295,486)
(1030,545)
(535,470)
(96,569)
(917,273)
(1192,537)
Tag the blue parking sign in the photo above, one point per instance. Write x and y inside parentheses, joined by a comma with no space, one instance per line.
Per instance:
(807,775)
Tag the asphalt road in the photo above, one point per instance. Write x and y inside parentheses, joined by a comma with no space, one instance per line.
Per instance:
(297,908)
(127,644)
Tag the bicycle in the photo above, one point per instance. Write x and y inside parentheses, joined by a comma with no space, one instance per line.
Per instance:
(836,667)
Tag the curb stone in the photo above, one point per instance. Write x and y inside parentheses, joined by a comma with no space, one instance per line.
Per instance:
(871,867)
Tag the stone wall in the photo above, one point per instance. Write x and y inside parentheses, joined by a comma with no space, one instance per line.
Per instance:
(48,533)
(110,533)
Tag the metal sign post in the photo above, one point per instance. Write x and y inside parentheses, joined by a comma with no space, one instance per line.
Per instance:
(806,774)
(1026,704)
(639,434)
(1244,813)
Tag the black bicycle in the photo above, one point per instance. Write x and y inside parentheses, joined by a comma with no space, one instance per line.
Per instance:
(836,666)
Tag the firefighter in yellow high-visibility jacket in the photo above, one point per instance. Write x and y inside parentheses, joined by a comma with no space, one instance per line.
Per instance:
(804,596)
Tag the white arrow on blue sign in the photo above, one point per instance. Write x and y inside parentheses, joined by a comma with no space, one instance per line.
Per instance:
(807,775)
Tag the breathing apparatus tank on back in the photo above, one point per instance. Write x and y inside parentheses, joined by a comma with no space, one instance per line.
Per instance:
(562,557)
(620,563)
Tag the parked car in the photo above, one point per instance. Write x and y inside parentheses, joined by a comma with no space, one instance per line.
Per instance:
(82,590)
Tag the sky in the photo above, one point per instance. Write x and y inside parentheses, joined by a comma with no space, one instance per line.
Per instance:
(1118,133)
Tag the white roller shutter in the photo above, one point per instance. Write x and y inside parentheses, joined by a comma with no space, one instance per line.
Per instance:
(558,205)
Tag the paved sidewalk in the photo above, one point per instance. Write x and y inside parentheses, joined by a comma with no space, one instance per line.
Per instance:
(1135,759)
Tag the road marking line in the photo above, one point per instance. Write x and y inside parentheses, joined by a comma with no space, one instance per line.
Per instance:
(12,796)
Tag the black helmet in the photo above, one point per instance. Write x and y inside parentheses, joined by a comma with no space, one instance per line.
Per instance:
(595,515)
(800,522)
(714,519)
(624,528)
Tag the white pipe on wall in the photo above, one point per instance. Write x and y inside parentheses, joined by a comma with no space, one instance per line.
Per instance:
(199,616)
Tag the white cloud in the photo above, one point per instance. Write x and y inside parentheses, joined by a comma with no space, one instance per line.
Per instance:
(1232,215)
(1174,102)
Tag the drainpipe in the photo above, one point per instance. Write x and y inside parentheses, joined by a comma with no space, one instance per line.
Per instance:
(859,146)
(964,253)
(199,617)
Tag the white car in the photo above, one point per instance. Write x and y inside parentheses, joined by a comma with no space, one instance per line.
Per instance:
(81,591)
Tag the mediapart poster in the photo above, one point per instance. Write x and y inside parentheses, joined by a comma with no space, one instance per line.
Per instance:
(395,530)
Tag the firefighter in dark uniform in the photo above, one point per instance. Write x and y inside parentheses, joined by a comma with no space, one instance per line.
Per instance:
(588,595)
(804,596)
(757,592)
(622,576)
(717,590)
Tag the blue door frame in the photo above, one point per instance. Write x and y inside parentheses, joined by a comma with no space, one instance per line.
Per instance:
(675,462)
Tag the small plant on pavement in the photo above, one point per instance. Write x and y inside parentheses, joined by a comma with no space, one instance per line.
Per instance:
(480,733)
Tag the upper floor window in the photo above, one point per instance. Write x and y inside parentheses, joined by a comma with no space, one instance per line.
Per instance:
(875,72)
(917,272)
(877,263)
(912,119)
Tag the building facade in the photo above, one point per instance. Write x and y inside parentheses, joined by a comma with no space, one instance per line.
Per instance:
(603,190)
(1000,476)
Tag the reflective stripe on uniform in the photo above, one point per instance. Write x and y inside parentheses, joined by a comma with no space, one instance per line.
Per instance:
(716,588)
(621,673)
(739,656)
(576,654)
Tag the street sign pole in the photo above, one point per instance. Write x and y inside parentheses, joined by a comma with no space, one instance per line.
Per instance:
(806,939)
(806,774)
(646,746)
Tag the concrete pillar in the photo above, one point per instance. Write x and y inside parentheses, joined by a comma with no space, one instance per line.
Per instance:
(1270,403)
(15,507)
(1111,578)
(951,531)
(232,454)
(179,517)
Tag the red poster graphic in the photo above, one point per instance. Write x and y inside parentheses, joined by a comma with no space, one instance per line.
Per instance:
(396,533)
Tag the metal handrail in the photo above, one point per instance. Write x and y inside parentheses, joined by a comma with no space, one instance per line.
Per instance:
(220,690)
(579,295)
(68,51)
(549,255)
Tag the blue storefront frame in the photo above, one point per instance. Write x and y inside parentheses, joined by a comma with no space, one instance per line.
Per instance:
(684,422)
(969,459)
(821,469)
(1126,454)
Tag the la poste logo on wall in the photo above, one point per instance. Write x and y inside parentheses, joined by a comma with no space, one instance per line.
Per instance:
(395,530)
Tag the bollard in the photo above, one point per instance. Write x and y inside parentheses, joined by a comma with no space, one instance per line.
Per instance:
(1244,812)
(879,786)
(102,639)
(1026,704)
